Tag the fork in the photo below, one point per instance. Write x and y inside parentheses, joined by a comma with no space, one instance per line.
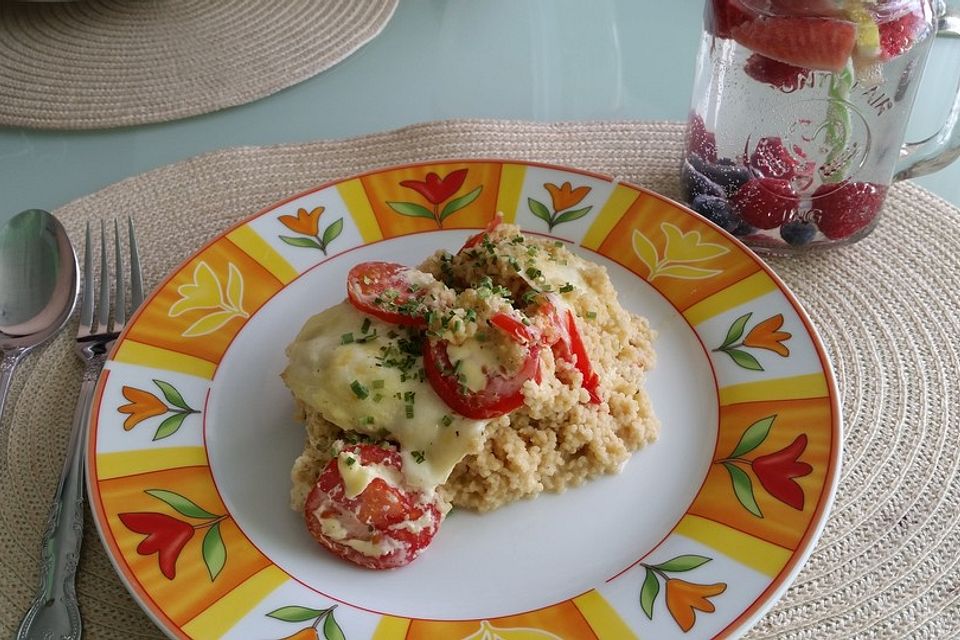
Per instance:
(54,612)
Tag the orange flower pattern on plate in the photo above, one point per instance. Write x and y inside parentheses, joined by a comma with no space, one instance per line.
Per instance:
(563,198)
(765,334)
(307,224)
(319,619)
(683,598)
(144,405)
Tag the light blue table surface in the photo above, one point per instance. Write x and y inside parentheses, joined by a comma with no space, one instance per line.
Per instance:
(436,59)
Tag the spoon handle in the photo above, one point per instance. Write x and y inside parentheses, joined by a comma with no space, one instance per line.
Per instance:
(54,612)
(7,364)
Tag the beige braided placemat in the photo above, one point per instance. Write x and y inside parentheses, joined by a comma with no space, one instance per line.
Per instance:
(108,63)
(888,308)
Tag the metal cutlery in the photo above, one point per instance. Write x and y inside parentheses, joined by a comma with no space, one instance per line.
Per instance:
(54,612)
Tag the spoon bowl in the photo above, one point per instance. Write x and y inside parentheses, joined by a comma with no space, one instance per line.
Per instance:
(38,286)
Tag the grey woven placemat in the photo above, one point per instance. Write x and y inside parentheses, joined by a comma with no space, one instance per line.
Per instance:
(108,63)
(888,309)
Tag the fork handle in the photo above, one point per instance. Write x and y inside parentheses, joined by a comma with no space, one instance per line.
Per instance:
(54,612)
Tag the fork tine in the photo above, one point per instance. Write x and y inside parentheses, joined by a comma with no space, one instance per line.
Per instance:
(136,276)
(103,304)
(86,301)
(119,308)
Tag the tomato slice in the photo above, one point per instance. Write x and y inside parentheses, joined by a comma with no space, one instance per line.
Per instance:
(386,291)
(397,521)
(568,345)
(591,381)
(518,332)
(475,239)
(502,394)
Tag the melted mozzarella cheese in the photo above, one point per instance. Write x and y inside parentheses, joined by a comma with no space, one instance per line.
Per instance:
(334,530)
(356,476)
(476,361)
(321,371)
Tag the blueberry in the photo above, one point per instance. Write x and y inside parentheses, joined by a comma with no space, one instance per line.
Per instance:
(717,211)
(725,172)
(743,229)
(798,232)
(693,184)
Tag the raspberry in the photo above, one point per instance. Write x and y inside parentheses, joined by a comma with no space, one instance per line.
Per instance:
(897,36)
(848,209)
(781,75)
(699,140)
(765,202)
(772,160)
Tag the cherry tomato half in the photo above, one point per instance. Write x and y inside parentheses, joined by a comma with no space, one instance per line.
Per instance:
(396,523)
(385,291)
(502,394)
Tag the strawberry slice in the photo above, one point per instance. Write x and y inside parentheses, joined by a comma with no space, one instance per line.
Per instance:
(765,202)
(897,36)
(720,16)
(813,43)
(846,210)
(783,76)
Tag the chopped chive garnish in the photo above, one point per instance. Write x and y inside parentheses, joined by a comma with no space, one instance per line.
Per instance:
(591,315)
(368,420)
(418,456)
(409,397)
(557,243)
(359,390)
(377,397)
(446,420)
(377,384)
(346,338)
(365,327)
(351,461)
(409,411)
(567,288)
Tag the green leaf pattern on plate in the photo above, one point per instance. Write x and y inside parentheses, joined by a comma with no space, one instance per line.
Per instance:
(143,405)
(321,619)
(765,334)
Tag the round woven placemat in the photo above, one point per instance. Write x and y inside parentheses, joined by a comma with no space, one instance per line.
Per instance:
(888,309)
(108,63)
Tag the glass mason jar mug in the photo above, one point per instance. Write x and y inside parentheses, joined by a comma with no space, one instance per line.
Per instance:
(799,113)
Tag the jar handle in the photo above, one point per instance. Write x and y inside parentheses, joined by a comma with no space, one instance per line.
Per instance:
(943,147)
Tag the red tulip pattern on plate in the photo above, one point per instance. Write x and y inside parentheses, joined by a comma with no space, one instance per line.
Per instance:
(144,405)
(683,598)
(167,535)
(307,225)
(777,471)
(321,621)
(563,199)
(766,334)
(437,191)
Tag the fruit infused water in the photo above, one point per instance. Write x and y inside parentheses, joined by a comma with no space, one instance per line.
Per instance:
(798,116)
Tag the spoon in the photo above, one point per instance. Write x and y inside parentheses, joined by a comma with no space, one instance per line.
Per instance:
(38,286)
